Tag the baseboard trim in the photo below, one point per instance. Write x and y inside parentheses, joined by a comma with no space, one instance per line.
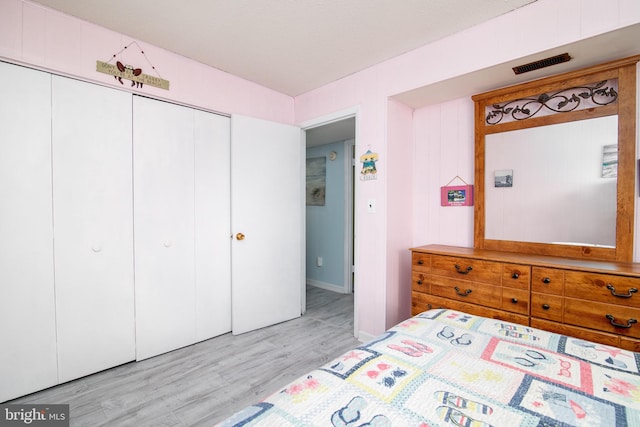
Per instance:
(326,286)
(365,337)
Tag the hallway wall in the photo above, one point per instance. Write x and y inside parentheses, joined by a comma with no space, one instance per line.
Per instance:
(326,224)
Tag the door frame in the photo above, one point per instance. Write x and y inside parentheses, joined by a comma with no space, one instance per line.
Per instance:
(351,238)
(349,188)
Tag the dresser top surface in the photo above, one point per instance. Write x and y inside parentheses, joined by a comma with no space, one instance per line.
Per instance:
(607,267)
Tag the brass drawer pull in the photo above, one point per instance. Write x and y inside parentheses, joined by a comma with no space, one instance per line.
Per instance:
(545,306)
(630,293)
(462,294)
(612,320)
(465,271)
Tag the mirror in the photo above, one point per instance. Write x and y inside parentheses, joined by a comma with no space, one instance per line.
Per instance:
(547,184)
(560,185)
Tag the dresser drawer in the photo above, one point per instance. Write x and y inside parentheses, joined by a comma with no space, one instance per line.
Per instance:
(604,317)
(424,302)
(420,261)
(420,302)
(516,300)
(605,288)
(467,269)
(630,344)
(466,291)
(516,276)
(547,280)
(575,331)
(547,306)
(419,282)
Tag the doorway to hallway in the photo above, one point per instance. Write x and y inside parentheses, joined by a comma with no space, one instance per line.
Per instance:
(330,194)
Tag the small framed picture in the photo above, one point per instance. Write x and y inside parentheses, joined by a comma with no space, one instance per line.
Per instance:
(460,195)
(503,178)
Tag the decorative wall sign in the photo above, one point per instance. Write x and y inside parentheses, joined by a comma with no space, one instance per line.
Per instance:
(369,170)
(456,195)
(316,181)
(119,70)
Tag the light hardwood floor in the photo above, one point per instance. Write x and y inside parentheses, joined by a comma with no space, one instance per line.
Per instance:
(204,383)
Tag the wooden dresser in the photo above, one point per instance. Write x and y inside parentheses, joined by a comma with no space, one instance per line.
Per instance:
(594,300)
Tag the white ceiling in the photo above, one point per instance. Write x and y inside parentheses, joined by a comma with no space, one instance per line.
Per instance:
(291,46)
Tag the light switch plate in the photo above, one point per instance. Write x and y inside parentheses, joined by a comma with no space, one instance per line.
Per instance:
(371,206)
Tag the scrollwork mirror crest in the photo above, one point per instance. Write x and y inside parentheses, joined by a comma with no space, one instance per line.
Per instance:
(606,90)
(561,101)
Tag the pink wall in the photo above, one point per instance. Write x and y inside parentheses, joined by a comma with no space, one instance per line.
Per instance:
(444,140)
(408,211)
(443,136)
(34,35)
(399,216)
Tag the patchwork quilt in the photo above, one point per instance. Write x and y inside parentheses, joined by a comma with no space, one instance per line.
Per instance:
(448,368)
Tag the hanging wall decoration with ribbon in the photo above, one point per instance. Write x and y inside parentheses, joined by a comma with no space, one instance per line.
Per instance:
(369,170)
(456,195)
(118,67)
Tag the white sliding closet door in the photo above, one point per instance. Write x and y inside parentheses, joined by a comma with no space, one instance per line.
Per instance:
(267,207)
(182,244)
(27,310)
(93,227)
(164,226)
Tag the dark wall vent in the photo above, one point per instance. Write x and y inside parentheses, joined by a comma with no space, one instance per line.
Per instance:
(547,62)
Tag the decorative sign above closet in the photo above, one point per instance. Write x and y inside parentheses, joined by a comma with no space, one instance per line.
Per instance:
(120,71)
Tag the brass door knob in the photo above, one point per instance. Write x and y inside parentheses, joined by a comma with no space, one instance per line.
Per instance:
(240,236)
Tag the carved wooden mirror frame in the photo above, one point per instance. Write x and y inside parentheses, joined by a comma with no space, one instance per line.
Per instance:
(624,71)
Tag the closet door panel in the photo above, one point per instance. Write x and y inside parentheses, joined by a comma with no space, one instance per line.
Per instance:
(212,224)
(93,227)
(27,310)
(164,226)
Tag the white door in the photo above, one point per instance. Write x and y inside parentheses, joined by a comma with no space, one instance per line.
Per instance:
(93,227)
(267,187)
(181,218)
(27,305)
(212,224)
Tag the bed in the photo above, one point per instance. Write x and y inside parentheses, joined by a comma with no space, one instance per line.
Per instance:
(449,368)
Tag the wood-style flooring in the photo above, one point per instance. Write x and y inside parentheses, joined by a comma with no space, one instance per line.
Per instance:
(204,383)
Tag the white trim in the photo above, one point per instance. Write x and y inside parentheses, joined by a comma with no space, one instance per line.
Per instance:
(303,223)
(349,171)
(326,286)
(365,337)
(322,120)
(336,116)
